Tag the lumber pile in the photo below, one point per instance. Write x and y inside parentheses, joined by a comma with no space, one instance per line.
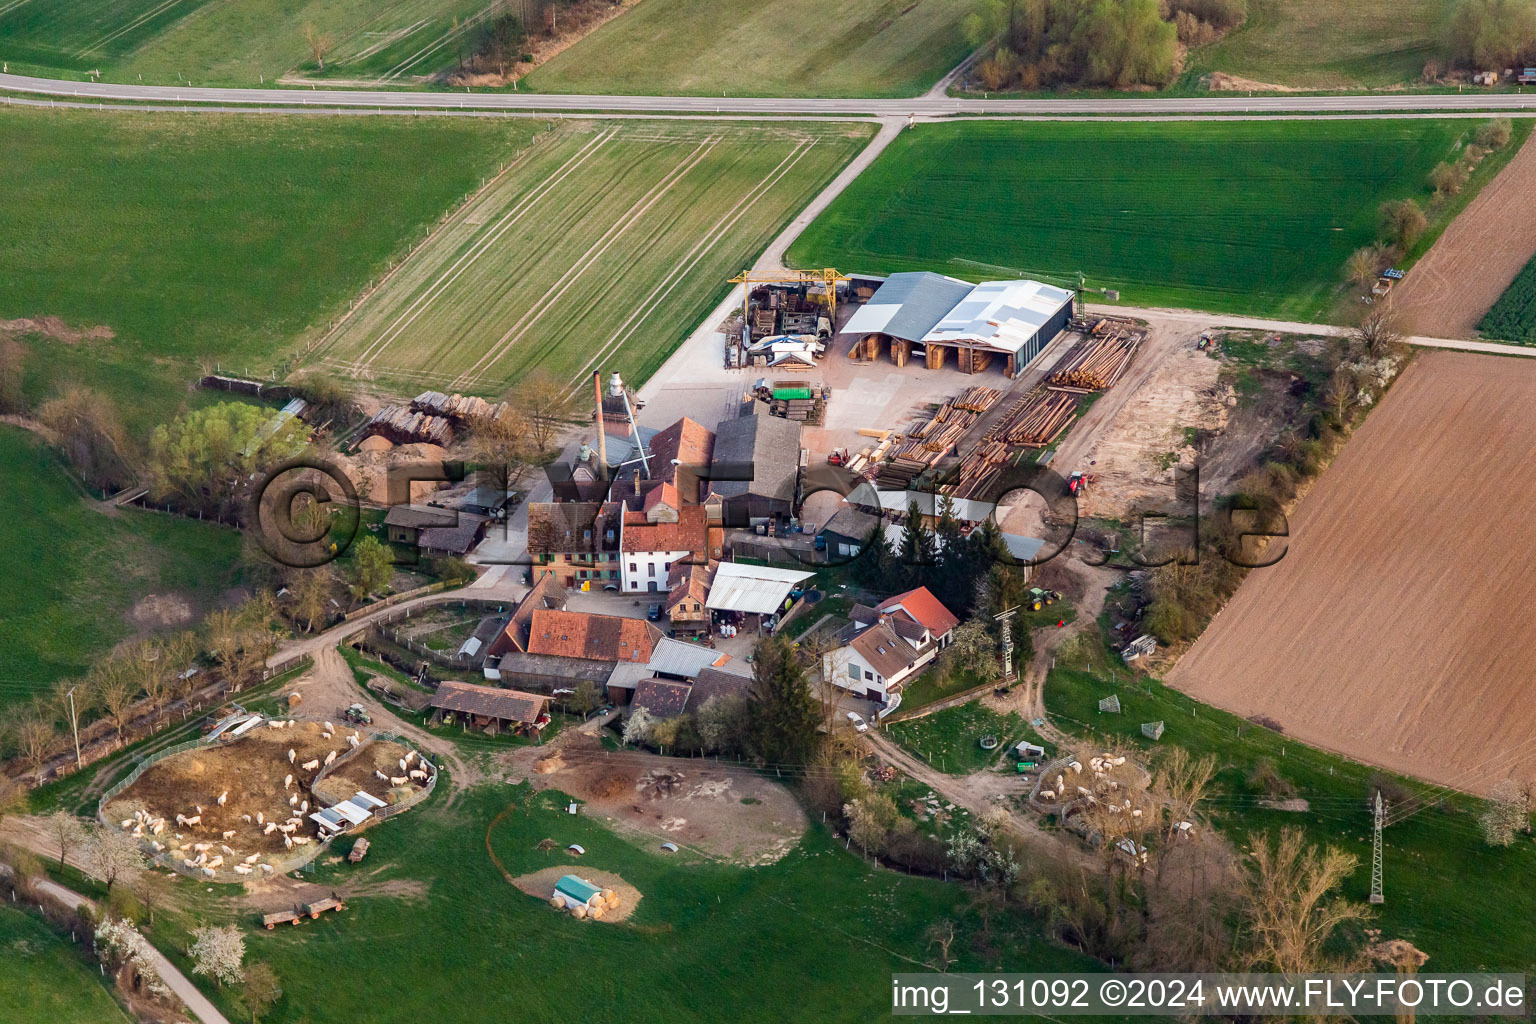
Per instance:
(1035,420)
(402,425)
(979,469)
(1098,361)
(764,323)
(977,399)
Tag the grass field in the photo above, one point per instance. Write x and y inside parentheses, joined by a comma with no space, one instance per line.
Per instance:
(1245,217)
(215,42)
(1513,317)
(949,739)
(45,980)
(821,916)
(75,571)
(218,238)
(765,48)
(600,249)
(1329,44)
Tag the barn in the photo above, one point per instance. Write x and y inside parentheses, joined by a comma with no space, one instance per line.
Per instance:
(929,316)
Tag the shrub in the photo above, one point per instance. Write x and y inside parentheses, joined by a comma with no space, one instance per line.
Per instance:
(1266,780)
(1495,134)
(1403,222)
(1221,15)
(1492,33)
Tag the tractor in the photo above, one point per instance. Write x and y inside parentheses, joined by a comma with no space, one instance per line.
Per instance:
(358,714)
(1040,598)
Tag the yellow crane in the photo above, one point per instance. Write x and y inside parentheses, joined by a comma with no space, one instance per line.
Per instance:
(828,277)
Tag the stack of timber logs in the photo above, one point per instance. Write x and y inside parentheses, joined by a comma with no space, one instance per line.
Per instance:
(1035,420)
(1097,362)
(405,426)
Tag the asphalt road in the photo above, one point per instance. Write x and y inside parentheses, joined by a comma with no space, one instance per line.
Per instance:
(921,106)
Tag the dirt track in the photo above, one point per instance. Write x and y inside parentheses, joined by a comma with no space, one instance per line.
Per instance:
(1468,268)
(1390,630)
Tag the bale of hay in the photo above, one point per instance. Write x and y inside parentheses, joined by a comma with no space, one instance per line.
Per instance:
(580,911)
(597,913)
(607,894)
(558,902)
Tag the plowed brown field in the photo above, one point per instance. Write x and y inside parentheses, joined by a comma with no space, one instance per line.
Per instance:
(1468,268)
(1396,628)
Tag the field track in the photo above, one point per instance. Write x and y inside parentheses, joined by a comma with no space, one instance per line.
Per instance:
(600,246)
(1471,264)
(1392,629)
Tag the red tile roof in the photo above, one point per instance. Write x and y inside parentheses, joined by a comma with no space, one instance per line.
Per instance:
(690,533)
(922,607)
(585,635)
(488,701)
(665,494)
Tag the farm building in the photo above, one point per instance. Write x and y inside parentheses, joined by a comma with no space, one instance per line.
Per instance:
(753,589)
(677,661)
(929,315)
(347,814)
(652,541)
(576,540)
(756,467)
(434,531)
(489,707)
(885,646)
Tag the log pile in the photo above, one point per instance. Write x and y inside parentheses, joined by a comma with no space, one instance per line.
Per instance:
(1098,361)
(401,425)
(977,399)
(457,406)
(979,470)
(1035,420)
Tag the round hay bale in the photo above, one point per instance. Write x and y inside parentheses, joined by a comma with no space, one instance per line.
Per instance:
(597,913)
(608,894)
(558,902)
(580,911)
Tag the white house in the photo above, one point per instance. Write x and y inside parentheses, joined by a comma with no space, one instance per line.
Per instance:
(889,644)
(664,531)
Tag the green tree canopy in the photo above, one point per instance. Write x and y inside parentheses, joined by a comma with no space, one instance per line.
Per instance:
(204,457)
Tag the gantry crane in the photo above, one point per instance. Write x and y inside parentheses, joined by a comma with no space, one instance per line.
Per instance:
(828,277)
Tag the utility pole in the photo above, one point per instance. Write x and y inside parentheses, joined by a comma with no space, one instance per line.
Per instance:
(1376,896)
(1004,619)
(74,725)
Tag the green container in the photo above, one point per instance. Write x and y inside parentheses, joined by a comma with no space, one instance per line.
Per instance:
(784,394)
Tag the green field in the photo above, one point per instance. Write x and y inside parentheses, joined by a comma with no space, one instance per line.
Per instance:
(765,48)
(44,980)
(1329,44)
(1513,317)
(218,42)
(75,570)
(601,249)
(949,740)
(1242,217)
(820,916)
(213,238)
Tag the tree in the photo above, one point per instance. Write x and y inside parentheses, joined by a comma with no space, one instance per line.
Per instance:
(637,727)
(917,553)
(1293,920)
(1379,332)
(34,735)
(1404,222)
(972,649)
(204,457)
(722,723)
(585,698)
(319,44)
(546,403)
(1341,394)
(1363,265)
(1508,812)
(784,711)
(112,856)
(1446,178)
(13,359)
(503,447)
(941,935)
(312,596)
(65,829)
(503,40)
(261,990)
(218,952)
(152,889)
(121,947)
(116,687)
(372,567)
(91,434)
(1492,33)
(1495,134)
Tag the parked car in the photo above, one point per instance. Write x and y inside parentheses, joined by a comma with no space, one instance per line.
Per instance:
(859,725)
(653,612)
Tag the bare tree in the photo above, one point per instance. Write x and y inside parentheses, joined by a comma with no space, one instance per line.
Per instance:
(152,889)
(112,856)
(319,44)
(1379,332)
(116,686)
(312,594)
(546,404)
(261,989)
(503,447)
(941,935)
(1341,394)
(34,734)
(65,829)
(1363,265)
(1292,913)
(1179,786)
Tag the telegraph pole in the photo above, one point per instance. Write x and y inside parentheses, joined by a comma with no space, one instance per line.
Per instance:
(1004,618)
(74,725)
(1376,896)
